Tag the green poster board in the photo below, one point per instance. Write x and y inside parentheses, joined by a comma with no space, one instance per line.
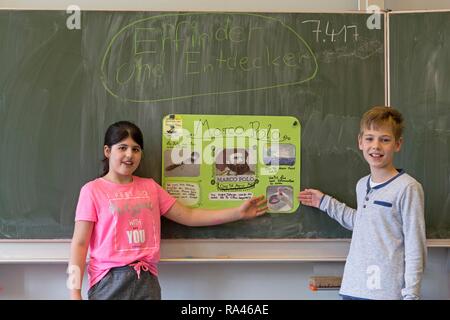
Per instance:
(214,161)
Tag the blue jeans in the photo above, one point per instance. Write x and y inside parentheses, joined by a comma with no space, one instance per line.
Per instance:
(122,283)
(344,297)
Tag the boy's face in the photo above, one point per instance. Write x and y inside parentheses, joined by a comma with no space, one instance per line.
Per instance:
(378,146)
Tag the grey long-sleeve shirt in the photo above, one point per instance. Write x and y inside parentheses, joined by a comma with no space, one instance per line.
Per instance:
(388,247)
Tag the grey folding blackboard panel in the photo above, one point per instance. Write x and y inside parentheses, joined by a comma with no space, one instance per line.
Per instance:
(420,82)
(61,89)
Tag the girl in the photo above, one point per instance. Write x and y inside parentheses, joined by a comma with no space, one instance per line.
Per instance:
(118,218)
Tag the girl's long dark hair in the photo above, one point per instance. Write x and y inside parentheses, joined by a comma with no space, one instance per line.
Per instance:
(116,133)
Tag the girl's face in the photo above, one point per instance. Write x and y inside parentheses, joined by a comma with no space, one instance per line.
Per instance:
(124,158)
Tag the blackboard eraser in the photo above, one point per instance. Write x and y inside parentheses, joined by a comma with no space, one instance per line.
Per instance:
(324,283)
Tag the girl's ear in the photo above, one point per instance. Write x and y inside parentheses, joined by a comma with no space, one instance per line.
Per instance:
(106,151)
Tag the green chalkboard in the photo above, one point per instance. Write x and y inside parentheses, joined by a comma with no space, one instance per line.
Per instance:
(60,89)
(420,82)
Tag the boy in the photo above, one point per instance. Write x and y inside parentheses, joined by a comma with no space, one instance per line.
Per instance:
(388,247)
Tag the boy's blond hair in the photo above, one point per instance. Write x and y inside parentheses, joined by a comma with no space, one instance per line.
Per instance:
(383,116)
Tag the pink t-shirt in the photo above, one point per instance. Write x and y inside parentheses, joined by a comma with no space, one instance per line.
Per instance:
(127,223)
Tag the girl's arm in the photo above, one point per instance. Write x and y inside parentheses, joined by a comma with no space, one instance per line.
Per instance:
(78,251)
(196,217)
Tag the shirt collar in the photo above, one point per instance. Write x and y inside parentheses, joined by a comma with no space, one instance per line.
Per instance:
(400,172)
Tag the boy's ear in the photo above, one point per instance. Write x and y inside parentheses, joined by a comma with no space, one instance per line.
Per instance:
(106,151)
(398,144)
(360,141)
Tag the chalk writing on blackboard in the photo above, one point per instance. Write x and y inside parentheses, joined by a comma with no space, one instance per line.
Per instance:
(330,34)
(183,53)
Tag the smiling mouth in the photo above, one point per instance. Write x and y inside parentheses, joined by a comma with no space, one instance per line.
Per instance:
(376,155)
(127,163)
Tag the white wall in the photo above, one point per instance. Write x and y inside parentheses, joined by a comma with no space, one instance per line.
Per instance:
(181,5)
(417,4)
(232,5)
(217,280)
(282,280)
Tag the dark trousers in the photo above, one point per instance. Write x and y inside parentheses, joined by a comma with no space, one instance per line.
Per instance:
(344,297)
(122,283)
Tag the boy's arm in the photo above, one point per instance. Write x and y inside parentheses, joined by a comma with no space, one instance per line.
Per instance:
(337,210)
(412,212)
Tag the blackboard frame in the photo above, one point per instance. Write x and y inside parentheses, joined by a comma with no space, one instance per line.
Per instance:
(199,251)
(56,251)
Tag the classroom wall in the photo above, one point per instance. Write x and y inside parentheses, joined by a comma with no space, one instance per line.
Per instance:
(417,4)
(191,5)
(218,280)
(247,5)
